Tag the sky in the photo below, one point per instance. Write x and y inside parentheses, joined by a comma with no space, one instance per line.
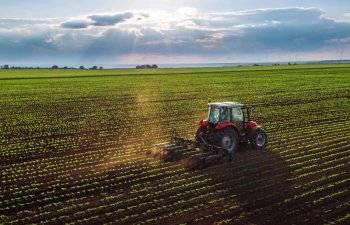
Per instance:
(112,32)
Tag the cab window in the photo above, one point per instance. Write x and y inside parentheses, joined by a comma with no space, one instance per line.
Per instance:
(219,115)
(237,116)
(224,115)
(214,115)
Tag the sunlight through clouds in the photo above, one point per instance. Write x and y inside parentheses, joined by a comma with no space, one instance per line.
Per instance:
(178,34)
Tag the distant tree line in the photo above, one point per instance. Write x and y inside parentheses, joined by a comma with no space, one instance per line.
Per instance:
(154,66)
(55,67)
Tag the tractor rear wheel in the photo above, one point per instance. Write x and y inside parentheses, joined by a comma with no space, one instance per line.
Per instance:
(258,139)
(227,138)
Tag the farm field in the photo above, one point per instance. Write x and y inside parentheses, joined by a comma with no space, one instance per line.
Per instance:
(74,146)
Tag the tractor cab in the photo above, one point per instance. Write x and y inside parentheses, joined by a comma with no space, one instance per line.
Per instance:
(224,112)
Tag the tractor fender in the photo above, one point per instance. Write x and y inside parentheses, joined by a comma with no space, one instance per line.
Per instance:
(255,129)
(228,124)
(203,123)
(252,124)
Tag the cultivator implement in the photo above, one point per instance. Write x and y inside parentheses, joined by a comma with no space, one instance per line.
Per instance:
(191,154)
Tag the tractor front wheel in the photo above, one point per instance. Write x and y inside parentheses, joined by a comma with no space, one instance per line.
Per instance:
(227,138)
(258,139)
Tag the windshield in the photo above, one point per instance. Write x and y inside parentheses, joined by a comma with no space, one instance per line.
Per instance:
(217,115)
(214,115)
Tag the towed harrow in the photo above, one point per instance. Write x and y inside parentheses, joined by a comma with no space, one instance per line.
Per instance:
(191,154)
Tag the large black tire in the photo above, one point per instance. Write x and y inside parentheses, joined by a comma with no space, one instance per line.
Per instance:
(227,138)
(200,131)
(258,139)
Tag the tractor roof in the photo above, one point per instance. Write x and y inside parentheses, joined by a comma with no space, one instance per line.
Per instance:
(225,104)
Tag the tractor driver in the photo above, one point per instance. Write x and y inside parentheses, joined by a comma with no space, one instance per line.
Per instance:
(224,116)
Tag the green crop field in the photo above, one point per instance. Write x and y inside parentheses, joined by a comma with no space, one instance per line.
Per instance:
(74,146)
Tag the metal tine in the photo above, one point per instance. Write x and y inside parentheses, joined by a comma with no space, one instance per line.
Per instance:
(184,151)
(176,140)
(202,155)
(189,144)
(163,143)
(166,145)
(174,147)
(190,153)
(193,145)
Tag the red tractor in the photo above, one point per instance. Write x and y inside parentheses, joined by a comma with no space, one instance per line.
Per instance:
(228,125)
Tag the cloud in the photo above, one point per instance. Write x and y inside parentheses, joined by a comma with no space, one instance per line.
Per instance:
(26,23)
(339,41)
(284,15)
(77,24)
(182,34)
(19,45)
(108,20)
(99,20)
